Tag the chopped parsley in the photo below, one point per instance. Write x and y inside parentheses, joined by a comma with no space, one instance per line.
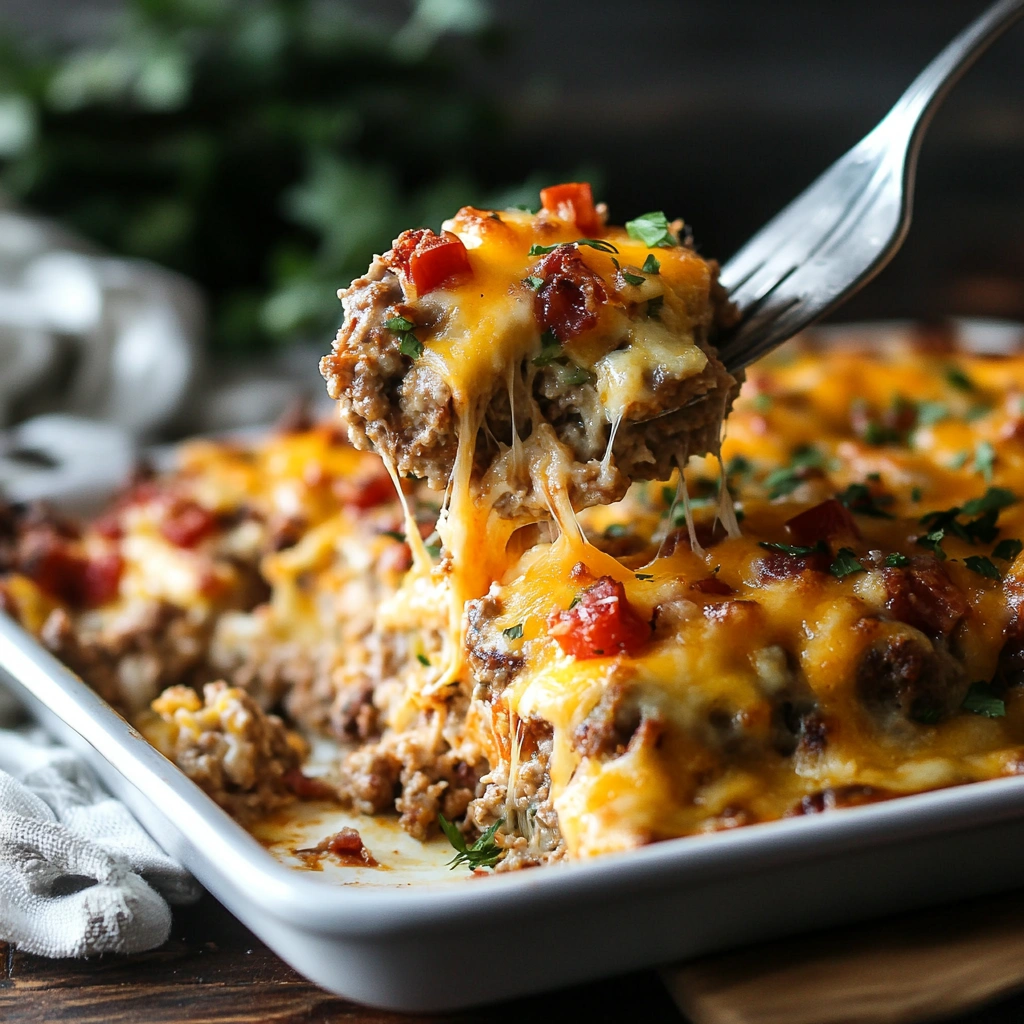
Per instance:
(796,550)
(575,374)
(977,411)
(845,564)
(484,853)
(916,493)
(652,229)
(409,345)
(980,700)
(595,243)
(644,576)
(550,349)
(514,632)
(982,566)
(738,466)
(1008,549)
(926,716)
(860,499)
(762,403)
(395,535)
(876,433)
(423,660)
(929,413)
(615,530)
(633,279)
(575,601)
(957,379)
(984,459)
(785,480)
(654,307)
(959,460)
(434,550)
(534,282)
(651,265)
(933,542)
(994,499)
(896,560)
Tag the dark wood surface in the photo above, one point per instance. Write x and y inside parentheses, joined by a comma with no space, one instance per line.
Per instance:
(214,971)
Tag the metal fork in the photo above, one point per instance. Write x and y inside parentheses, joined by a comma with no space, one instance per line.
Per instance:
(839,233)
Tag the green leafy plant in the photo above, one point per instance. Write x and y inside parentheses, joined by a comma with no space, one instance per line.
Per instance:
(265,148)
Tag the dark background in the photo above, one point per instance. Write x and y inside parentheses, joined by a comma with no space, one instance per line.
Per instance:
(719,112)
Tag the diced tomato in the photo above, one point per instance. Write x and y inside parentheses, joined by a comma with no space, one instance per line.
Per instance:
(822,522)
(77,581)
(567,303)
(428,260)
(365,492)
(573,201)
(101,578)
(186,523)
(601,623)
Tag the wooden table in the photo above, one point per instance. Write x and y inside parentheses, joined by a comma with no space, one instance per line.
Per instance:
(214,971)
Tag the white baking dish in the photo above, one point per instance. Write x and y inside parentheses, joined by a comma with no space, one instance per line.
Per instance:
(436,942)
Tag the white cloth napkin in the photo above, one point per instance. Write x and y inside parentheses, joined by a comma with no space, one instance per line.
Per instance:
(78,875)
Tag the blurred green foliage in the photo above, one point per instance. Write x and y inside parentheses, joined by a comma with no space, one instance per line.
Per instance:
(263,147)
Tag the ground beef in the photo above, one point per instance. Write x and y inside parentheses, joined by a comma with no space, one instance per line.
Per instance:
(903,676)
(236,753)
(402,409)
(129,660)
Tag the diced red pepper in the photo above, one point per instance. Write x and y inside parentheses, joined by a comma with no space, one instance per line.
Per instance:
(186,523)
(822,522)
(77,581)
(567,303)
(601,623)
(428,260)
(573,201)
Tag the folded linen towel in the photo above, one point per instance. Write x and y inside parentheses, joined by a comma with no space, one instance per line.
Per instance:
(78,874)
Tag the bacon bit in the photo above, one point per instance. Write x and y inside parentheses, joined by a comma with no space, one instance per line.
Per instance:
(573,201)
(186,523)
(712,585)
(776,565)
(580,573)
(427,260)
(568,301)
(365,492)
(307,788)
(923,596)
(346,845)
(601,623)
(823,522)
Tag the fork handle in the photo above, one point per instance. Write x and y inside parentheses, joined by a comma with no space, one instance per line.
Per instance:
(921,99)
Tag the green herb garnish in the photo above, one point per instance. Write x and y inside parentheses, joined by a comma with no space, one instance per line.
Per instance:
(614,530)
(423,660)
(762,403)
(982,566)
(845,564)
(410,346)
(896,560)
(534,282)
(738,466)
(654,307)
(796,550)
(956,378)
(980,700)
(652,229)
(595,243)
(644,576)
(984,459)
(651,264)
(1008,549)
(929,413)
(395,535)
(399,324)
(959,460)
(514,632)
(633,279)
(550,349)
(994,499)
(484,853)
(933,542)
(860,499)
